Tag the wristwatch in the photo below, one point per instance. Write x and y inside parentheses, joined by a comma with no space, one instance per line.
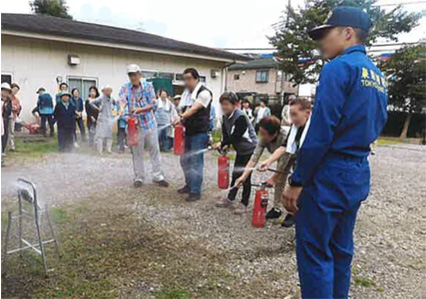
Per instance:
(293,183)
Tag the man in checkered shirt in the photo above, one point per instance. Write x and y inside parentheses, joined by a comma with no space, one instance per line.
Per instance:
(138,97)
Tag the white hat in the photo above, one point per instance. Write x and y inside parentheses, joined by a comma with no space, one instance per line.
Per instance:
(6,86)
(106,87)
(133,68)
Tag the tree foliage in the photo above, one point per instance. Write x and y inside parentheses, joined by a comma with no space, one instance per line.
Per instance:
(55,8)
(293,43)
(406,73)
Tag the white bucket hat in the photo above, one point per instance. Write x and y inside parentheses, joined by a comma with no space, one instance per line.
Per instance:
(6,86)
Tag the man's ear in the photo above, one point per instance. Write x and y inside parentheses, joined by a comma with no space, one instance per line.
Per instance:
(349,32)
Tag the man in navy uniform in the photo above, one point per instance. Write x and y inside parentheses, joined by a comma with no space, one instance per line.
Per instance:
(332,175)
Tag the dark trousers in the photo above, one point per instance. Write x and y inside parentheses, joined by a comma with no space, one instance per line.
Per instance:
(92,131)
(239,165)
(80,124)
(66,139)
(121,138)
(163,138)
(49,119)
(5,135)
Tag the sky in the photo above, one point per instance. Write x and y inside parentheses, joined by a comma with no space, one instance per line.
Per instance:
(211,23)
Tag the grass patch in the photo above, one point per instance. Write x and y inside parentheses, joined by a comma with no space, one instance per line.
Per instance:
(109,252)
(172,294)
(34,147)
(364,282)
(388,141)
(59,215)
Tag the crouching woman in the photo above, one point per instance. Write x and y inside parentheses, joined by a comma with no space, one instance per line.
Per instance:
(238,131)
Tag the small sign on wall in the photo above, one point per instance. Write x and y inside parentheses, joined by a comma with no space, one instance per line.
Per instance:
(73,60)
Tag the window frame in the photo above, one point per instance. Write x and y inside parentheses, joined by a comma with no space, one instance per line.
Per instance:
(266,71)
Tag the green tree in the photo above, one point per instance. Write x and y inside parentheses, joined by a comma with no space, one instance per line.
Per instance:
(55,8)
(293,43)
(406,73)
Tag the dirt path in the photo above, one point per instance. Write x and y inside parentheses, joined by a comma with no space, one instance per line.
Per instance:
(168,247)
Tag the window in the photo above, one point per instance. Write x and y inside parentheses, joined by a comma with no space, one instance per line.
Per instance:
(166,75)
(262,76)
(83,85)
(149,74)
(236,76)
(6,78)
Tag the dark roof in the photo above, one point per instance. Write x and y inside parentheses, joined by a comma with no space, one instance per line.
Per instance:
(259,63)
(89,31)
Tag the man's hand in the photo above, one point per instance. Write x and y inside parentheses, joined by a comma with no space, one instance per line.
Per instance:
(239,182)
(217,146)
(177,120)
(270,182)
(263,166)
(290,197)
(138,110)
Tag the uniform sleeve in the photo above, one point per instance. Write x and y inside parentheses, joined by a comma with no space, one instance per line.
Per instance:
(204,98)
(327,112)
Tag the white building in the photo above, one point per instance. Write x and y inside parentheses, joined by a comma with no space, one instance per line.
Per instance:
(39,51)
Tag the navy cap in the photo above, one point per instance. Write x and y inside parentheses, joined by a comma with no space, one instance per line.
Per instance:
(342,16)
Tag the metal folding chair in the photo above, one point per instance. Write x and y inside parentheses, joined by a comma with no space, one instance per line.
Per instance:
(28,197)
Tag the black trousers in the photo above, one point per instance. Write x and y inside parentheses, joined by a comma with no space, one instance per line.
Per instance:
(239,165)
(66,139)
(121,137)
(80,124)
(5,136)
(49,119)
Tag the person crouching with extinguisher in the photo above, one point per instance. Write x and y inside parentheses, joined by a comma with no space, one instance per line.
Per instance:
(271,138)
(238,131)
(300,112)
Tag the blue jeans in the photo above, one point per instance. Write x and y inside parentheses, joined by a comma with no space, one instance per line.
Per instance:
(324,227)
(163,138)
(192,161)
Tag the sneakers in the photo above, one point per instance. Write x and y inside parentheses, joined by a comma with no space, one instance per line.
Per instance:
(161,183)
(273,213)
(224,203)
(193,197)
(240,209)
(288,221)
(184,189)
(137,184)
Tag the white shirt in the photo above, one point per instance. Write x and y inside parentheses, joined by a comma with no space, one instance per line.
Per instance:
(189,98)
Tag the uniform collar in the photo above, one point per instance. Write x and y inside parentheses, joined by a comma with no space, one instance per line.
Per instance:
(357,48)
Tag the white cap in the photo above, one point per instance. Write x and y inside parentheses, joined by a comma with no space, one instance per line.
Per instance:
(106,87)
(133,68)
(6,85)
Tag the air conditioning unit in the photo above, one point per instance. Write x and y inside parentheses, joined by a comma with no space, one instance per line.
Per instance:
(214,73)
(73,60)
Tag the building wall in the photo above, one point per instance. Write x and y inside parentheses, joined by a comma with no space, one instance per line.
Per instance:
(247,83)
(34,63)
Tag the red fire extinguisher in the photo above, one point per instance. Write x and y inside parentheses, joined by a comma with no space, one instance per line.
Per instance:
(132,132)
(179,145)
(259,207)
(223,171)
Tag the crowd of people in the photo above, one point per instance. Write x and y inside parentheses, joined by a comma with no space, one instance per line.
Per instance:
(158,113)
(322,172)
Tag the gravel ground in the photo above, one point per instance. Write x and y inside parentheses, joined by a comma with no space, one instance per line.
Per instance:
(390,259)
